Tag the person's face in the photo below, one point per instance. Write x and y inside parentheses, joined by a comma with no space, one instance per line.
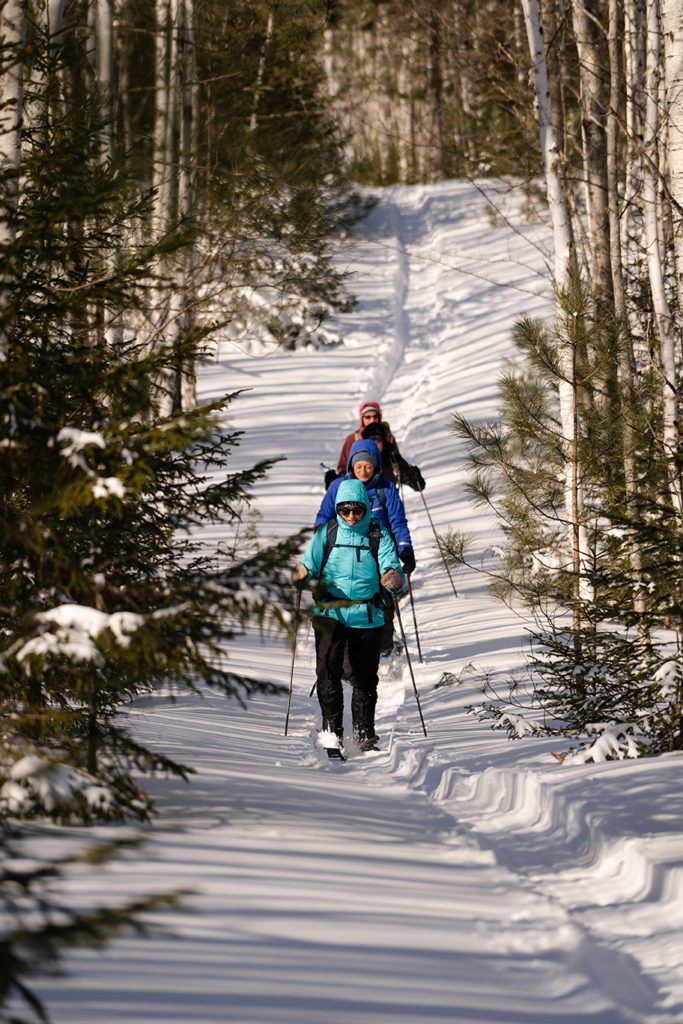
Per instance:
(370,417)
(363,471)
(351,513)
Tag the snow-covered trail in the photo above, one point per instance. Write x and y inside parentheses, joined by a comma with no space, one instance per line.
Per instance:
(452,878)
(329,893)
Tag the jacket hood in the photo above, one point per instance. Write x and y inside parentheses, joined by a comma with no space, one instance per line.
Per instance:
(364,445)
(353,490)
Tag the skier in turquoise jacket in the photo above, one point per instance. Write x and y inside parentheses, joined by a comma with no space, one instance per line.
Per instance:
(349,610)
(365,464)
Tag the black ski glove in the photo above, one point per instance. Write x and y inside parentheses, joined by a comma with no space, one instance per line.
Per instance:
(330,476)
(416,479)
(407,556)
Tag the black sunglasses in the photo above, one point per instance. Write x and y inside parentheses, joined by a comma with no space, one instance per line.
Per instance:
(355,506)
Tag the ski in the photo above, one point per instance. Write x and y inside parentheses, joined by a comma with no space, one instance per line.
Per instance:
(336,754)
(332,744)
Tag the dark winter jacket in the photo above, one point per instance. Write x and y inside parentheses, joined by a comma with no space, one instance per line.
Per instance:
(346,447)
(385,504)
(351,572)
(394,466)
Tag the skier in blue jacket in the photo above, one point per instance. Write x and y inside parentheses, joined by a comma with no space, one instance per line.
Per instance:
(349,610)
(365,464)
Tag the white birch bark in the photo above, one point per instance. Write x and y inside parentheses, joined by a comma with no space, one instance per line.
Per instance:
(557,205)
(625,360)
(438,152)
(162,165)
(587,32)
(104,66)
(253,120)
(662,312)
(186,192)
(12,35)
(46,80)
(672,37)
(634,64)
(562,244)
(161,162)
(54,13)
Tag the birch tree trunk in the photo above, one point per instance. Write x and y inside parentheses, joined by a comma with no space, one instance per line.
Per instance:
(46,77)
(438,168)
(625,358)
(187,382)
(253,121)
(563,255)
(161,160)
(661,310)
(634,61)
(104,67)
(592,62)
(672,37)
(557,204)
(12,35)
(162,165)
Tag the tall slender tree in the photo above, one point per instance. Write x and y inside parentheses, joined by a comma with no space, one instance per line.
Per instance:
(672,38)
(663,320)
(12,35)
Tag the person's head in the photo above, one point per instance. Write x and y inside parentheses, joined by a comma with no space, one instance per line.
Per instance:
(352,504)
(374,431)
(364,460)
(370,412)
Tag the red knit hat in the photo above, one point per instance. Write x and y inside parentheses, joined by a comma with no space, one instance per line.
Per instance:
(369,407)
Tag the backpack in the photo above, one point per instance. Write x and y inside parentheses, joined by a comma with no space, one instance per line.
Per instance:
(374,535)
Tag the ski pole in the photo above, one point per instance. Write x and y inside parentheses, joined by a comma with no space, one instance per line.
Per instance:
(438,543)
(412,605)
(291,673)
(410,666)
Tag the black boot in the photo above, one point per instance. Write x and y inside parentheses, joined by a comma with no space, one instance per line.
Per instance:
(332,739)
(363,710)
(333,726)
(365,741)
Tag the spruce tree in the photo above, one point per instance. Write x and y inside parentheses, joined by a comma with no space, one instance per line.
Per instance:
(108,588)
(603,667)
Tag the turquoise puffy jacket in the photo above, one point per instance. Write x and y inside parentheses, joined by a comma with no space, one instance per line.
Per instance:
(350,573)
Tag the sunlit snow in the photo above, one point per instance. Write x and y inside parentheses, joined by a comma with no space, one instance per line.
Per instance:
(459,877)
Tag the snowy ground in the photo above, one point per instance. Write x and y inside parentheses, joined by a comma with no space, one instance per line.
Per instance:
(454,878)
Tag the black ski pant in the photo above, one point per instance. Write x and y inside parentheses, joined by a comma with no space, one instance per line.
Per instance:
(363,646)
(387,644)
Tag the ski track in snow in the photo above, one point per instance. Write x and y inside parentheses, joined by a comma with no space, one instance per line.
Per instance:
(454,878)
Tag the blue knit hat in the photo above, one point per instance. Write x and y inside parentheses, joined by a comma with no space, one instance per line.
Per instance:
(364,455)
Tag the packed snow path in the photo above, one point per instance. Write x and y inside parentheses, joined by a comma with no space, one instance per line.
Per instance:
(457,878)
